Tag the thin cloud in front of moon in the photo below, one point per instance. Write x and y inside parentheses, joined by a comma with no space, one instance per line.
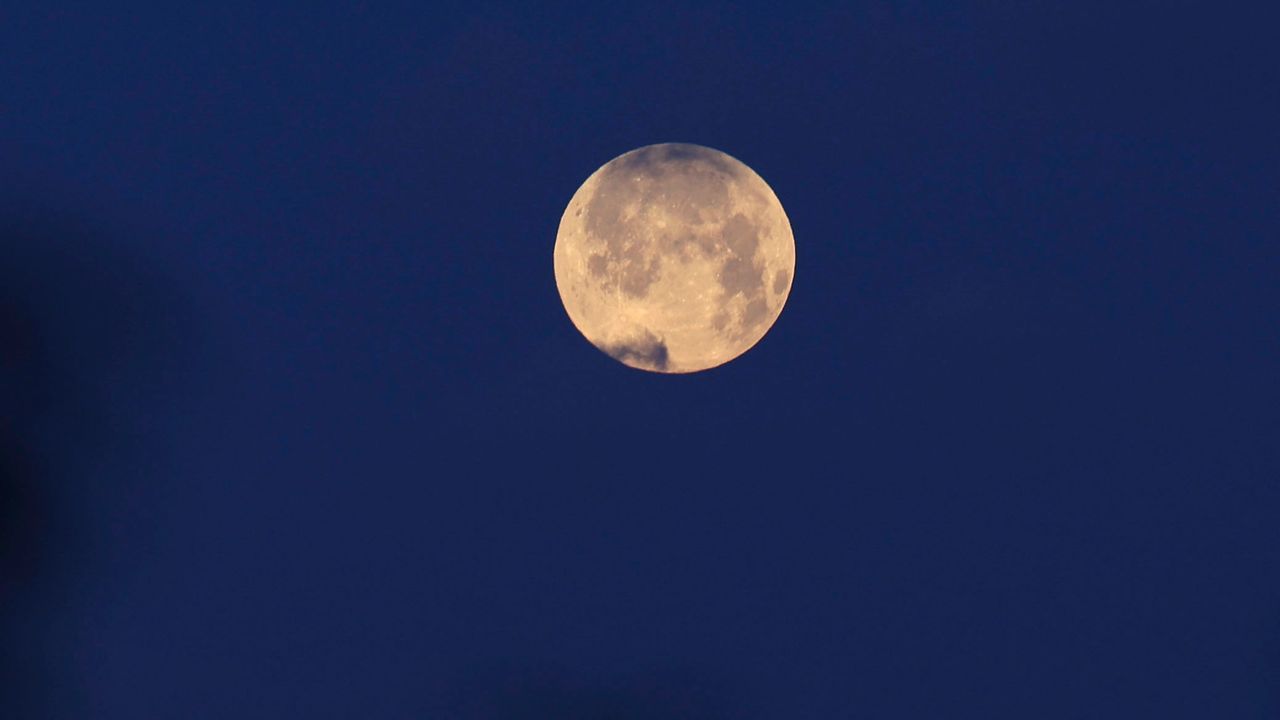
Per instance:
(674,258)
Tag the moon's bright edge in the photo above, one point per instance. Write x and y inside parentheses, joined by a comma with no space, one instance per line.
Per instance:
(674,258)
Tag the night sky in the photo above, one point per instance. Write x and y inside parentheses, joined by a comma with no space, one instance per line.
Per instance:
(293,423)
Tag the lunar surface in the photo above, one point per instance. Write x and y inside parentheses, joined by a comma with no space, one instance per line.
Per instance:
(674,258)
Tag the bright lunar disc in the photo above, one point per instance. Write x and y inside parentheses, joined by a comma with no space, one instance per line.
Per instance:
(674,258)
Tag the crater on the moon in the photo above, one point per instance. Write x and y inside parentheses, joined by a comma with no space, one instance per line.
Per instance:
(741,272)
(780,282)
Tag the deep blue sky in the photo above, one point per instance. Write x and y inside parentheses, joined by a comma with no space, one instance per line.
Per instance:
(295,426)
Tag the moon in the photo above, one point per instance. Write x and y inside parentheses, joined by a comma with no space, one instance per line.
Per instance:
(674,258)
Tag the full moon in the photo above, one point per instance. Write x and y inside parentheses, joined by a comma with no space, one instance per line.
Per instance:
(674,258)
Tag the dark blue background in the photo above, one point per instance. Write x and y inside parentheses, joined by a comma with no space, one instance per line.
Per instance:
(294,424)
